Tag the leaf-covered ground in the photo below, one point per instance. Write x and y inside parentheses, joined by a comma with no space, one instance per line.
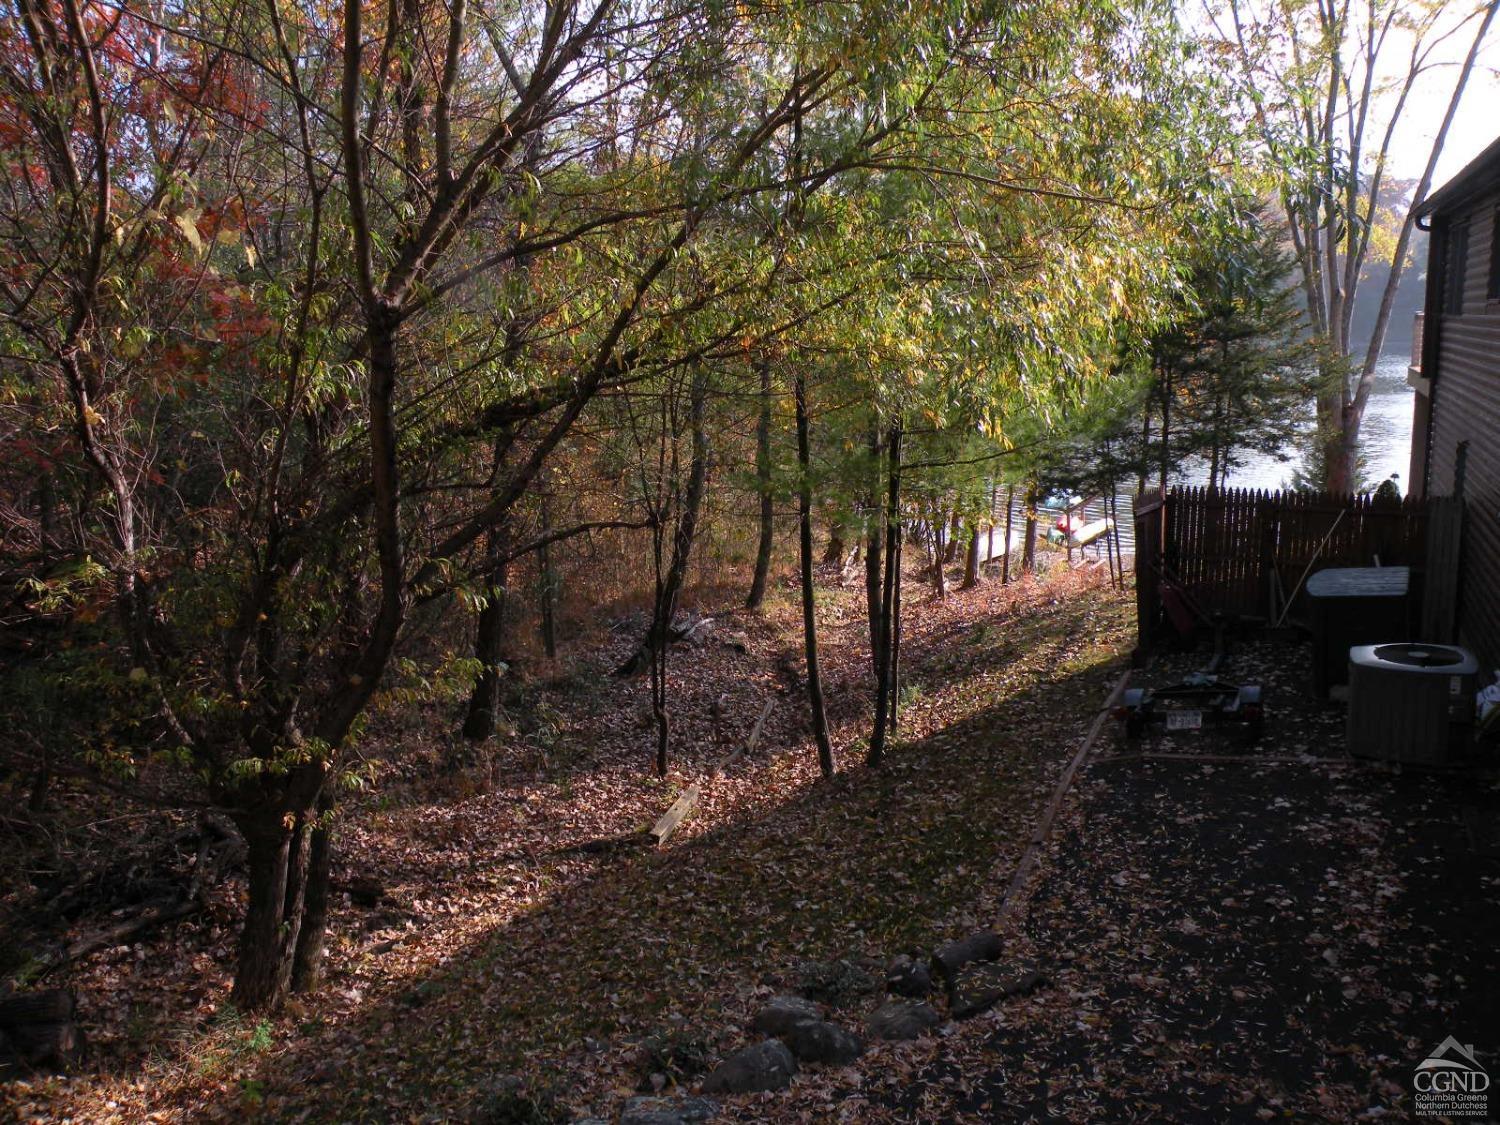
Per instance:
(1279,936)
(1252,940)
(493,954)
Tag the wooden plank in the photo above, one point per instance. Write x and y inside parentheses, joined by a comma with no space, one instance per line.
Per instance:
(1044,827)
(748,746)
(674,816)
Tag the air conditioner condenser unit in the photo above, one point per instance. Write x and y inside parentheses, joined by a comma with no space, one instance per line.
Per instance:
(1410,702)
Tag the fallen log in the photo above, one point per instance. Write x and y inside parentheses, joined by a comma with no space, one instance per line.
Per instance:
(51,1005)
(219,846)
(689,631)
(153,915)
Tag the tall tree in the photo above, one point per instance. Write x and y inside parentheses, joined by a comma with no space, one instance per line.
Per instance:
(1328,86)
(301,303)
(766,524)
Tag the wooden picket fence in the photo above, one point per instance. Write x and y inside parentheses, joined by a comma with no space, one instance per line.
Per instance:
(1243,551)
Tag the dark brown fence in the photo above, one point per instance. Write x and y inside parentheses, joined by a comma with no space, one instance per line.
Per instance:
(1243,551)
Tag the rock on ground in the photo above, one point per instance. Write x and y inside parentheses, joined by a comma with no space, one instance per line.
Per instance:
(906,976)
(902,1019)
(768,1065)
(668,1111)
(815,1041)
(38,1029)
(952,956)
(978,988)
(505,1100)
(783,1013)
(10,1059)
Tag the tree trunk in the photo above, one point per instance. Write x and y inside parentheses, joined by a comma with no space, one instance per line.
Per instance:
(692,503)
(874,534)
(763,483)
(1114,534)
(656,654)
(669,582)
(809,608)
(890,588)
(1144,470)
(1115,570)
(955,533)
(940,543)
(1010,508)
(312,938)
(1166,427)
(489,642)
(1028,551)
(41,781)
(46,510)
(277,862)
(659,634)
(659,713)
(895,563)
(547,579)
(971,560)
(1338,445)
(1353,414)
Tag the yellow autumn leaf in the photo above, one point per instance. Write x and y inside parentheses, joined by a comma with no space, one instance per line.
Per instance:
(187,223)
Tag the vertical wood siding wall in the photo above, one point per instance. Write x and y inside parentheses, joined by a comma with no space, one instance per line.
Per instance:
(1466,409)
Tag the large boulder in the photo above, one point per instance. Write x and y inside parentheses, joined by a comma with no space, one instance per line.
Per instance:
(902,1019)
(978,988)
(814,1041)
(906,976)
(952,956)
(768,1065)
(784,1013)
(668,1111)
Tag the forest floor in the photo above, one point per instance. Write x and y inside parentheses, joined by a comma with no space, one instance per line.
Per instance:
(1228,931)
(496,951)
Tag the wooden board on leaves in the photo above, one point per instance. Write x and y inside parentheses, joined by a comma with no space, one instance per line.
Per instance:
(749,745)
(674,816)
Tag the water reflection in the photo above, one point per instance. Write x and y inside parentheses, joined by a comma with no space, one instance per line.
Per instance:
(1385,438)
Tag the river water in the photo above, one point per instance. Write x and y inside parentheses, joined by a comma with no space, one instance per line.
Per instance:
(1384,437)
(1385,442)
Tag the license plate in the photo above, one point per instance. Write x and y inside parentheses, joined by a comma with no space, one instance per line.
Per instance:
(1184,720)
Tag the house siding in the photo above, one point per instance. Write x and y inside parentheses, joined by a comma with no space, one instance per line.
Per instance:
(1466,413)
